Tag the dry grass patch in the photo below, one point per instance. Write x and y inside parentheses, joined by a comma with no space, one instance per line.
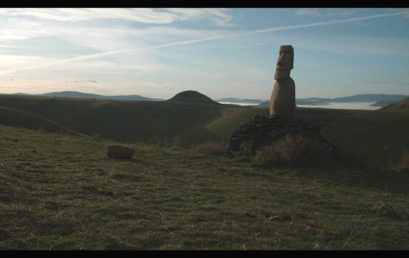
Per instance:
(296,150)
(211,147)
(403,165)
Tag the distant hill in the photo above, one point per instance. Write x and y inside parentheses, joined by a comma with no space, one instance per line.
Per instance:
(379,99)
(400,105)
(192,97)
(81,95)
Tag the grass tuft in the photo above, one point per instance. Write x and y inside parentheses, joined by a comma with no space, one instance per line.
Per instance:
(211,148)
(403,165)
(297,150)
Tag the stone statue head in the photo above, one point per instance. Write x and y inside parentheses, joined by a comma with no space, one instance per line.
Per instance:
(285,62)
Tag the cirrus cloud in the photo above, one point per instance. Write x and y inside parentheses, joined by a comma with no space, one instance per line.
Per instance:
(143,15)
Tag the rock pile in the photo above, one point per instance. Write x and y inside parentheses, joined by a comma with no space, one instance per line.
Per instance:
(120,152)
(262,131)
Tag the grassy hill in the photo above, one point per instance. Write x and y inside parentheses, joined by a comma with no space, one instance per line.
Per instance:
(230,118)
(192,96)
(76,94)
(19,118)
(402,105)
(62,192)
(120,120)
(376,137)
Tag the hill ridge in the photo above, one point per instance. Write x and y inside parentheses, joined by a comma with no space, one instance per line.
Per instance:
(192,96)
(84,95)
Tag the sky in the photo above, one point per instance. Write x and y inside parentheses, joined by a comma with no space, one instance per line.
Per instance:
(220,52)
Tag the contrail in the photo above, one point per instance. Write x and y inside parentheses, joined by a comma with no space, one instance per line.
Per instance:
(186,42)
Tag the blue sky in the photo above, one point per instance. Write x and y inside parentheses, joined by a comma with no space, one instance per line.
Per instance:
(220,52)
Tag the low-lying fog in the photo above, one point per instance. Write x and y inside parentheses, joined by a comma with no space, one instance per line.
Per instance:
(345,105)
(332,105)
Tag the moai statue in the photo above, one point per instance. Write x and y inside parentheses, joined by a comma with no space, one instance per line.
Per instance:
(282,101)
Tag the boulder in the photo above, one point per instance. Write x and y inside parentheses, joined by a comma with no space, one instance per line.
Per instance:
(120,152)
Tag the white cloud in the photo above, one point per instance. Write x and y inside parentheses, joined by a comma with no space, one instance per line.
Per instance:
(325,12)
(143,15)
(225,36)
(119,65)
(103,38)
(14,62)
(218,16)
(30,86)
(16,47)
(404,10)
(18,30)
(308,11)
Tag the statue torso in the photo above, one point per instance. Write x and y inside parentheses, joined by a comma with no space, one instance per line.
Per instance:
(282,100)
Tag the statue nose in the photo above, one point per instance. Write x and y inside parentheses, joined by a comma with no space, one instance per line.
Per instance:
(280,60)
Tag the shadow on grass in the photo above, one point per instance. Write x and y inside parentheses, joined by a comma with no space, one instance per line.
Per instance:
(351,174)
(136,161)
(385,180)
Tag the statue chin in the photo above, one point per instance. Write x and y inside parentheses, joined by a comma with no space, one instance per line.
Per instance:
(282,74)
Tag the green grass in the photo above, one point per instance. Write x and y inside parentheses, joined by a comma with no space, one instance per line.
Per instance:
(62,192)
(188,124)
(170,122)
(400,106)
(378,138)
(231,117)
(19,118)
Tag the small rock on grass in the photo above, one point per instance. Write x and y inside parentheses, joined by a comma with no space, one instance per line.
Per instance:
(388,210)
(120,152)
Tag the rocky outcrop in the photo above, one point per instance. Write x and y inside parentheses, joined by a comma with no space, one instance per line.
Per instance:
(120,152)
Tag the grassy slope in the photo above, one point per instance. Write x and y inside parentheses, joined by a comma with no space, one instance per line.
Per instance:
(62,192)
(187,124)
(377,137)
(121,120)
(20,118)
(401,106)
(231,117)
